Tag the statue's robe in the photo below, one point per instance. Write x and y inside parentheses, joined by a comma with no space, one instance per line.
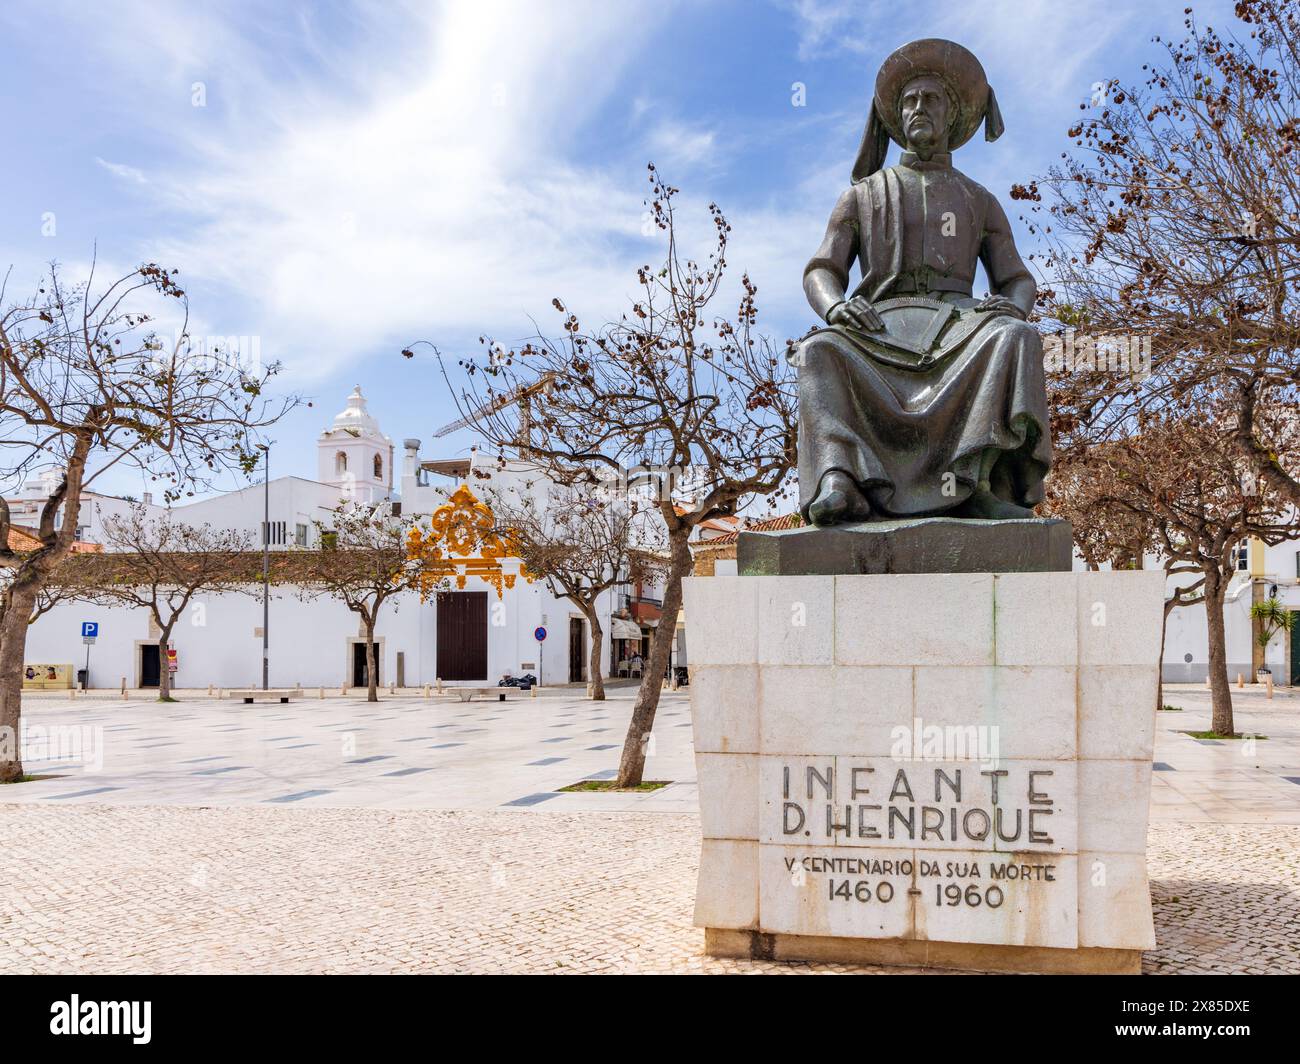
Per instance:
(917,439)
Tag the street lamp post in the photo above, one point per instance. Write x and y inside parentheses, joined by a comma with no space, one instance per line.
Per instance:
(266,572)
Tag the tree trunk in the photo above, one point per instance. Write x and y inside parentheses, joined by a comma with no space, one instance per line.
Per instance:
(1220,690)
(632,764)
(164,672)
(372,673)
(13,645)
(1160,669)
(594,677)
(32,573)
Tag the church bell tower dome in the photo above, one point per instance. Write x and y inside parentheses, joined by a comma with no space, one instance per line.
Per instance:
(354,456)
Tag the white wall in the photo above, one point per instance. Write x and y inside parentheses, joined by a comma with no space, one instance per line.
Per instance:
(216,642)
(293,500)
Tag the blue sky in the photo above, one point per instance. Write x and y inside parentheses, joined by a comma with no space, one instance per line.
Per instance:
(360,175)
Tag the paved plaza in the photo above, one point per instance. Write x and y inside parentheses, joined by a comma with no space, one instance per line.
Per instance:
(339,836)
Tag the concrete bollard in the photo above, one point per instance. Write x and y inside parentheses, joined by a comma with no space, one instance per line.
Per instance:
(123,688)
(1270,685)
(532,691)
(343,690)
(321,693)
(392,688)
(439,681)
(1241,680)
(426,690)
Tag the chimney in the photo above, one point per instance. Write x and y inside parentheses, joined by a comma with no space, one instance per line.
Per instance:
(148,498)
(411,458)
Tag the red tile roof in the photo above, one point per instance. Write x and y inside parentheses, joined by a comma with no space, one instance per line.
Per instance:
(767,524)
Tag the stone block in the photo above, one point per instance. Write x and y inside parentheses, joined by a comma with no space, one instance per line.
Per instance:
(914,545)
(858,893)
(984,713)
(1115,901)
(1114,805)
(722,612)
(726,894)
(796,620)
(1034,905)
(728,795)
(825,710)
(1121,615)
(1117,712)
(1036,619)
(937,805)
(724,708)
(914,620)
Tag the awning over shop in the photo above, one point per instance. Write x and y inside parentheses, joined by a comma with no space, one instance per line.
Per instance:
(622,628)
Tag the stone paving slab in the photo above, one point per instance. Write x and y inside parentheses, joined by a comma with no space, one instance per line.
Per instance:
(296,889)
(402,752)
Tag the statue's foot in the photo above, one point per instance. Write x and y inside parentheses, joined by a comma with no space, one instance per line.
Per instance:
(838,500)
(983,504)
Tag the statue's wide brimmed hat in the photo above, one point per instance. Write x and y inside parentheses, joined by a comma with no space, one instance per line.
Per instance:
(973,100)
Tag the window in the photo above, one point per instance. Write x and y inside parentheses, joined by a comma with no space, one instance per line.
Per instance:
(379,467)
(1241,555)
(300,535)
(273,533)
(340,462)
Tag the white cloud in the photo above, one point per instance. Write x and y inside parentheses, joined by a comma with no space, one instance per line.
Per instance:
(1041,46)
(127,173)
(368,199)
(673,143)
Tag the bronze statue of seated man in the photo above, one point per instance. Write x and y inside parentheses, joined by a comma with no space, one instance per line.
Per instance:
(917,399)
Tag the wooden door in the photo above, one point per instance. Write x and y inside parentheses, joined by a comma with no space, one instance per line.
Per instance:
(462,635)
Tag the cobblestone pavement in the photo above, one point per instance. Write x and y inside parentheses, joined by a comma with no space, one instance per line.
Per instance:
(135,888)
(412,835)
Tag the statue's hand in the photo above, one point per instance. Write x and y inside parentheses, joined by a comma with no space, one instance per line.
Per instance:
(857,312)
(1001,304)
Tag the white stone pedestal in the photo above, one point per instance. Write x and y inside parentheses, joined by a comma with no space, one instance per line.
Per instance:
(950,770)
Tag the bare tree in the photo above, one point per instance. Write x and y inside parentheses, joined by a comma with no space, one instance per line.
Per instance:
(695,411)
(159,564)
(1115,524)
(1173,230)
(363,562)
(1184,481)
(87,383)
(582,544)
(49,596)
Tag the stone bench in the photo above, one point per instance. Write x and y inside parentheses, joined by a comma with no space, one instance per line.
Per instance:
(467,693)
(280,695)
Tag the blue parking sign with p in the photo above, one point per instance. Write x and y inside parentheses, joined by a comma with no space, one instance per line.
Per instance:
(89,629)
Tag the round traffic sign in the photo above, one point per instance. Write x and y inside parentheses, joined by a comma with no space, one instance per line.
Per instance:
(539,634)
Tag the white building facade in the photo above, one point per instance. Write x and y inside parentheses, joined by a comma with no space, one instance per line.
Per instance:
(467,635)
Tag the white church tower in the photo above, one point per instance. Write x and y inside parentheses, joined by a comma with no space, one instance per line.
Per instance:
(354,456)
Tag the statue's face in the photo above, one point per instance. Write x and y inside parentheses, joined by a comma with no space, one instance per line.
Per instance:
(923,110)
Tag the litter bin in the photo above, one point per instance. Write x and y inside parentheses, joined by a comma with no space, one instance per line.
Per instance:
(82,678)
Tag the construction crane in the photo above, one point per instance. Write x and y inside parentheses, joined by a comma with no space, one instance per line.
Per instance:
(520,395)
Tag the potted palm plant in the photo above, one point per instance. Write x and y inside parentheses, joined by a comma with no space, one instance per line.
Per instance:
(1273,617)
